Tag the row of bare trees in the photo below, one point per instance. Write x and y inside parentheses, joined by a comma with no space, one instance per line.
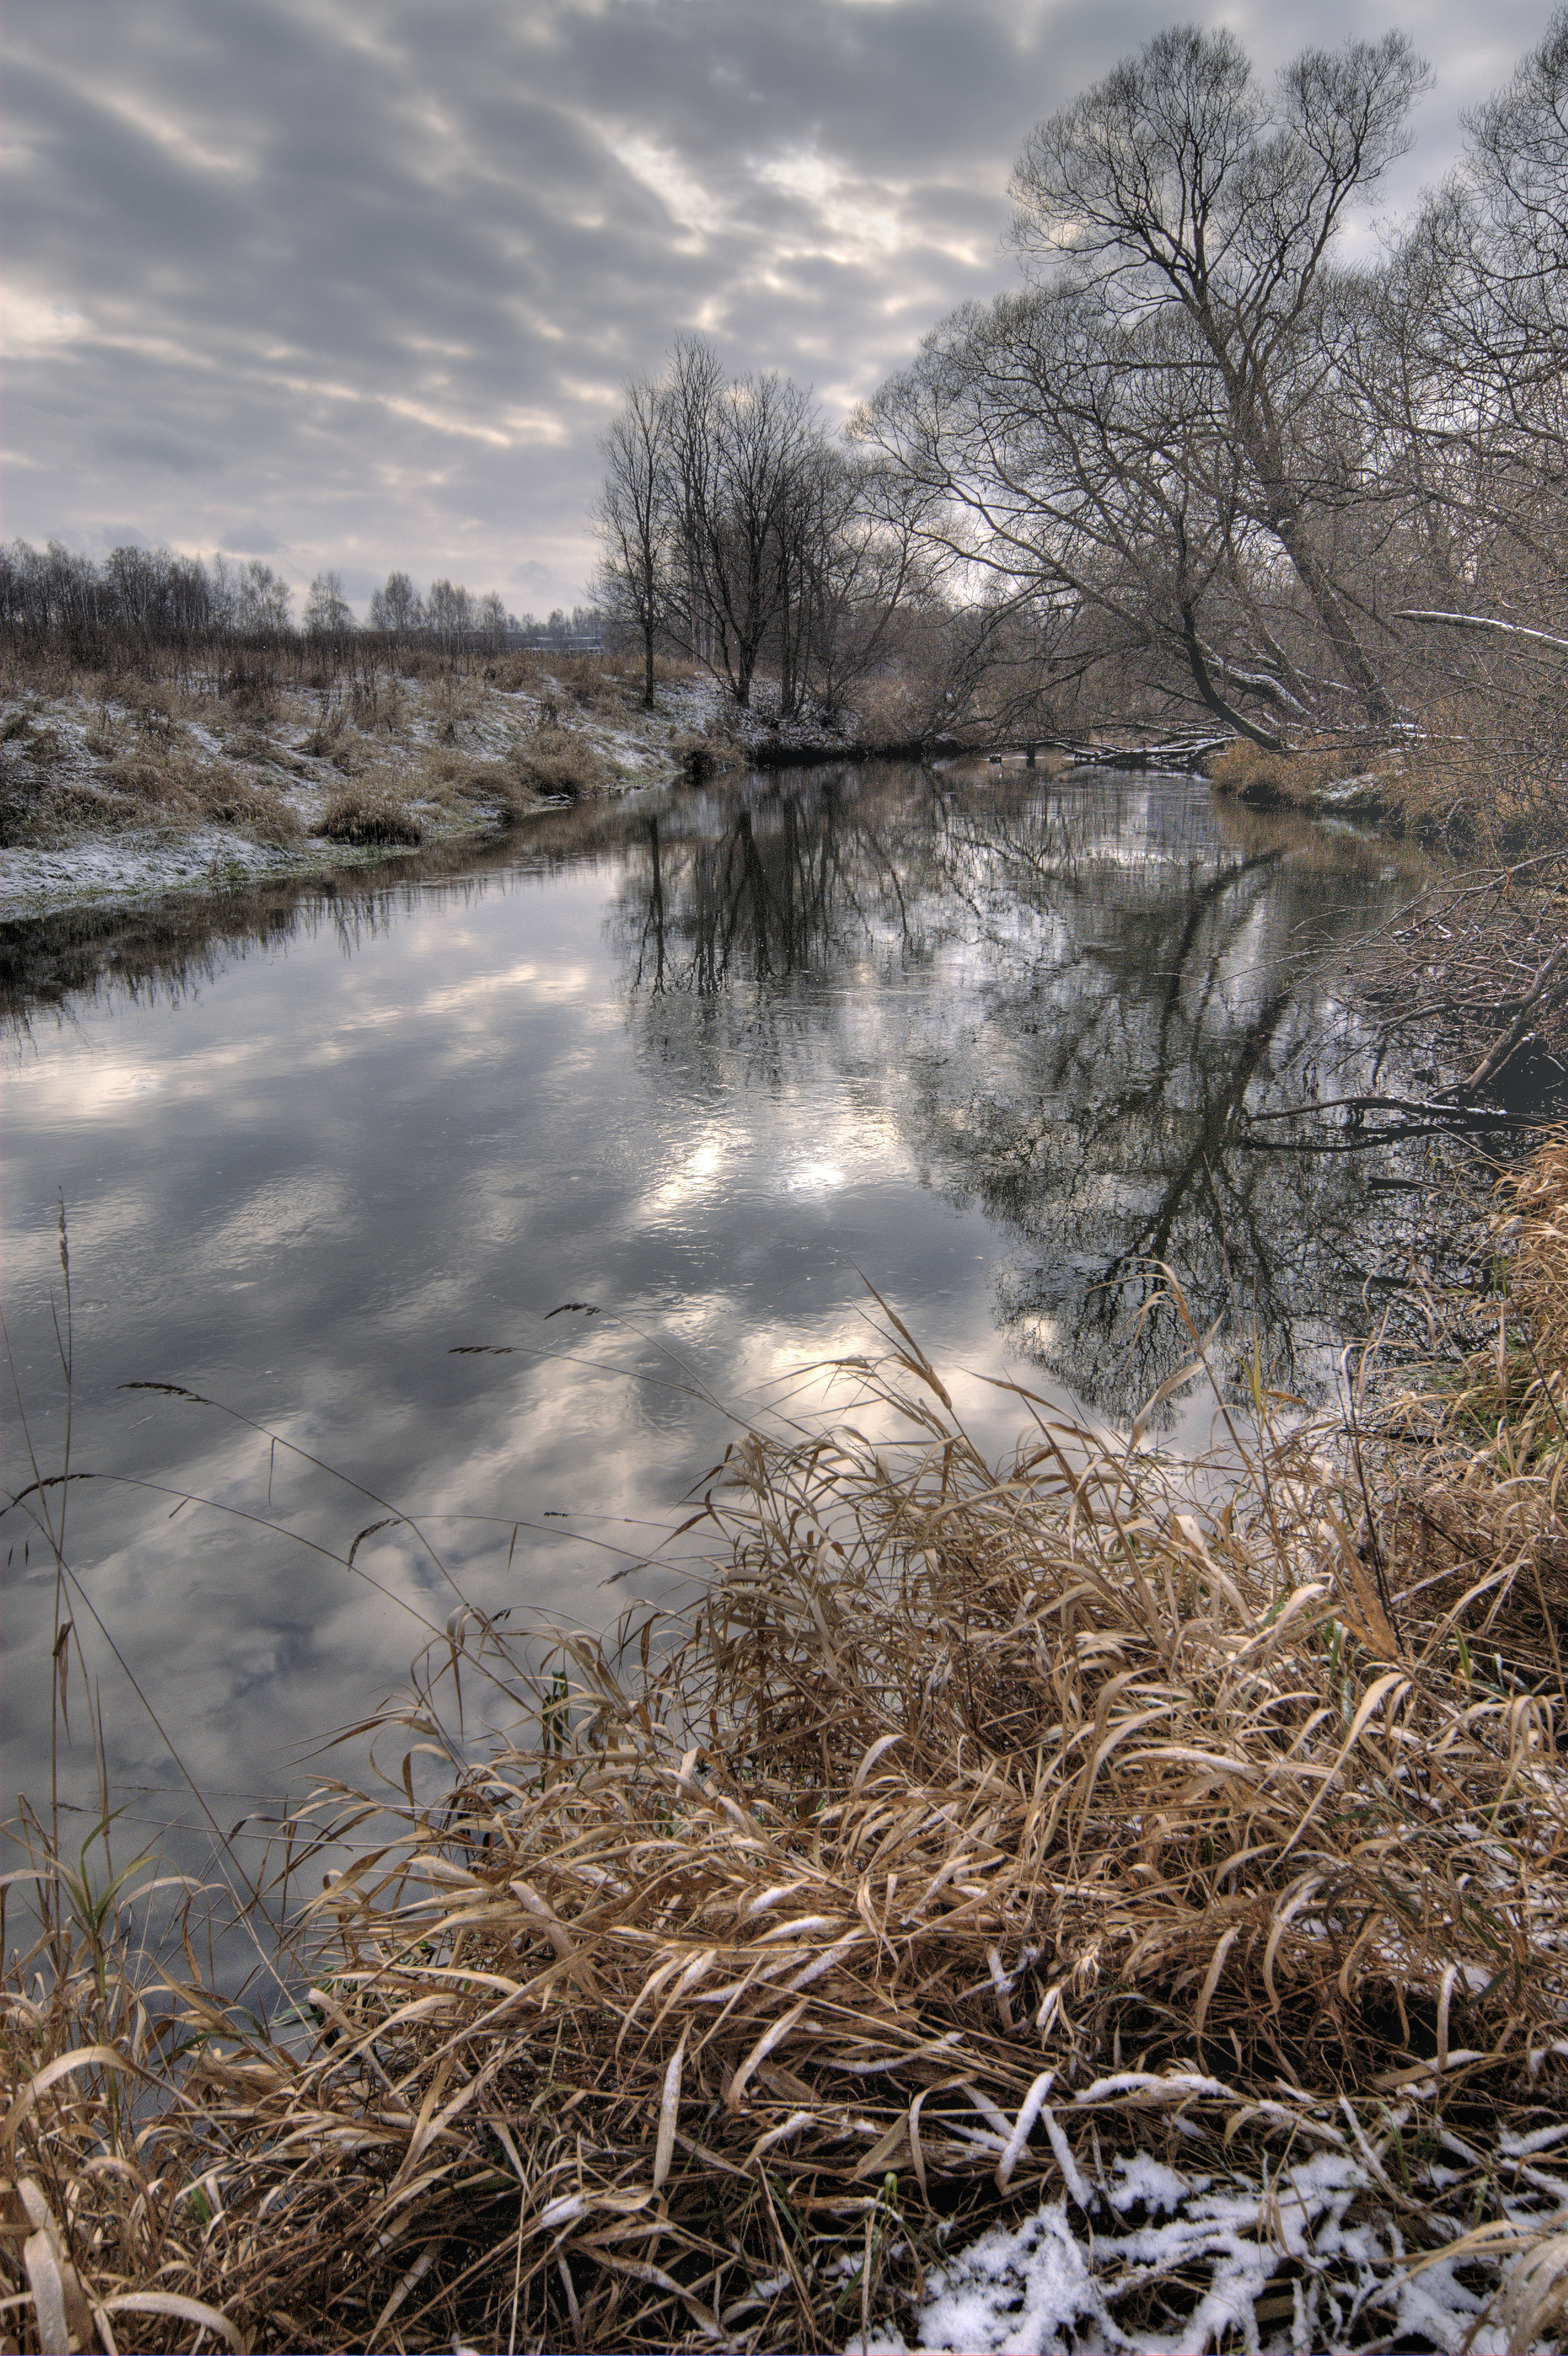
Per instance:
(149,596)
(1201,460)
(446,611)
(738,531)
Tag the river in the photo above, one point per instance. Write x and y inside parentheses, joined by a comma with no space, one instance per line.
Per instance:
(713,1062)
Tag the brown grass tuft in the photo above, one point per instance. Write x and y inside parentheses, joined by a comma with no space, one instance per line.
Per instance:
(368,811)
(559,762)
(167,785)
(1297,779)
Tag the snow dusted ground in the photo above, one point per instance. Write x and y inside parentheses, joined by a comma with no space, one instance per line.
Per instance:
(115,867)
(97,845)
(82,825)
(1315,2257)
(80,833)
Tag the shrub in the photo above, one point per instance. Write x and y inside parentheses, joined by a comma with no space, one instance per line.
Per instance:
(368,813)
(557,761)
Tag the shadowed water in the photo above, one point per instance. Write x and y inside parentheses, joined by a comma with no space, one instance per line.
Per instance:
(711,1063)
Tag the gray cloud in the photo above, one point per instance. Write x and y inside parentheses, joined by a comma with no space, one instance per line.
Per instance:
(358,281)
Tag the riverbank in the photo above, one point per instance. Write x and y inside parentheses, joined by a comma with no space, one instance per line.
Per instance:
(1474,977)
(115,791)
(1479,799)
(1031,1890)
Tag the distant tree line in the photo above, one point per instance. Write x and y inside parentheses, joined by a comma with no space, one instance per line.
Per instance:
(1200,462)
(449,614)
(136,594)
(137,602)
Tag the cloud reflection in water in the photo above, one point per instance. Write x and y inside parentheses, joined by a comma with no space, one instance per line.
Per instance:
(700,1061)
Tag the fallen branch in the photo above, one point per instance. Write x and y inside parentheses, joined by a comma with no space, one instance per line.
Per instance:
(1499,1052)
(1480,622)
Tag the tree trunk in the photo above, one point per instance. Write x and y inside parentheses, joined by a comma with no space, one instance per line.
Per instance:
(1211,693)
(1259,437)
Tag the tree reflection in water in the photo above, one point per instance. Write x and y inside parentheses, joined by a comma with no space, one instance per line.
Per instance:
(1086,986)
(1058,1000)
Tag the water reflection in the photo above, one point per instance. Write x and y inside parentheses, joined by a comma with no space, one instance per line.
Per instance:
(1106,976)
(710,1060)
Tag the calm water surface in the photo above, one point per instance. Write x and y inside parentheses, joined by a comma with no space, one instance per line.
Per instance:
(712,1063)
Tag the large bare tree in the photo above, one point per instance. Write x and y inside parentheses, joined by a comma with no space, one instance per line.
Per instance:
(1177,186)
(1077,460)
(1158,435)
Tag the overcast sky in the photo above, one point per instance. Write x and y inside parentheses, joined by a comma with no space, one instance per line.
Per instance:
(358,281)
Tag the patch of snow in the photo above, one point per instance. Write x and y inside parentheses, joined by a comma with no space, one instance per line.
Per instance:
(1022,2289)
(131,866)
(1038,2288)
(1150,2180)
(1360,796)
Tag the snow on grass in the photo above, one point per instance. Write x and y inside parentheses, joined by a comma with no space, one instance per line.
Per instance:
(129,867)
(91,841)
(1312,2258)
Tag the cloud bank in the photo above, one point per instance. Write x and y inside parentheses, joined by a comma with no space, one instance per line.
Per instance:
(358,281)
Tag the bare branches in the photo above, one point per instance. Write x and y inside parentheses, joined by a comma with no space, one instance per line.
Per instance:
(735,529)
(1226,466)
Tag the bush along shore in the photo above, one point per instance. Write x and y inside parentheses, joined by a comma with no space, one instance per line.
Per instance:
(1053,1904)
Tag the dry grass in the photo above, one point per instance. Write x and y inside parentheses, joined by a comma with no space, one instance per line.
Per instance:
(976,1826)
(393,762)
(1297,779)
(169,786)
(1482,1518)
(150,778)
(559,762)
(1483,774)
(547,764)
(368,809)
(1491,791)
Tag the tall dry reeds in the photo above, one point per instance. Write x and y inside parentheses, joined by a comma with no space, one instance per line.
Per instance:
(977,1830)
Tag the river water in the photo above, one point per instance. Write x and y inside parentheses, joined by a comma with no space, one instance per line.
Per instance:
(714,1063)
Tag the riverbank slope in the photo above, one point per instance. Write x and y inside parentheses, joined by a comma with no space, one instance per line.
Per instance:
(115,788)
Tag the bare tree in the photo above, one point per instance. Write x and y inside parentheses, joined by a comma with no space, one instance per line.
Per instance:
(1517,172)
(1078,462)
(734,528)
(738,451)
(327,613)
(851,563)
(397,606)
(1475,326)
(1148,433)
(636,516)
(262,599)
(449,613)
(1462,363)
(491,620)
